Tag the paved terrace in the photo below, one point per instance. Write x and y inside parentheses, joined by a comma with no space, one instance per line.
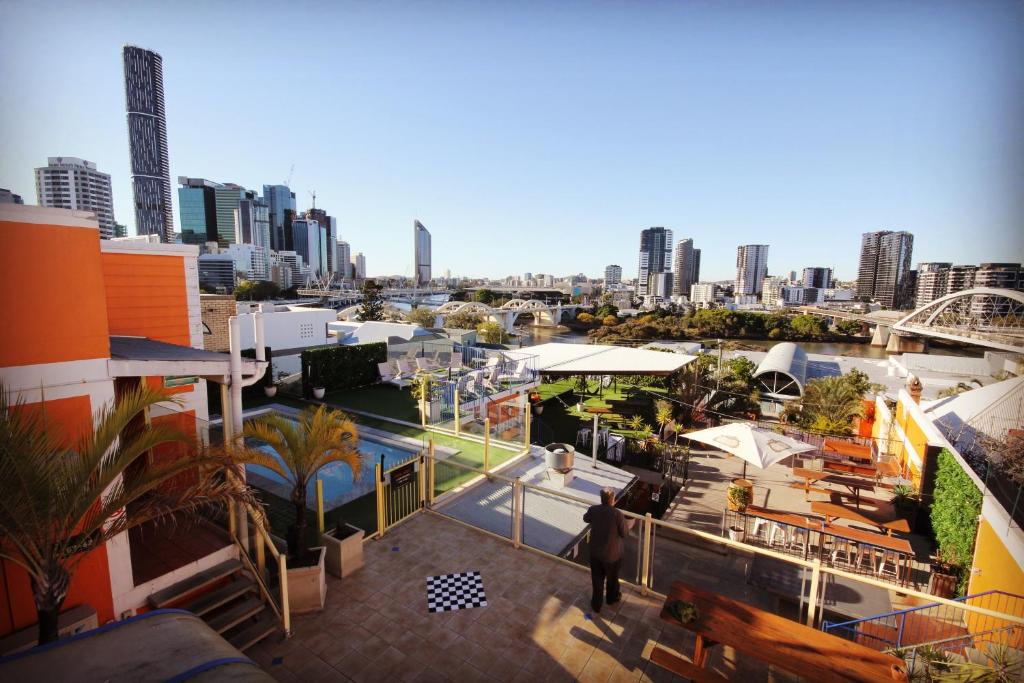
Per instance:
(537,626)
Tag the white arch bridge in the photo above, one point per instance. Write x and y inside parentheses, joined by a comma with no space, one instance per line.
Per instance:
(983,316)
(508,313)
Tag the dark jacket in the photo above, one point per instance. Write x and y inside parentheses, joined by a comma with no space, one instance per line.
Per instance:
(607,529)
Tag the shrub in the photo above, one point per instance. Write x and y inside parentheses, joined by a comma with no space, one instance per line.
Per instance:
(341,367)
(585,318)
(954,514)
(609,321)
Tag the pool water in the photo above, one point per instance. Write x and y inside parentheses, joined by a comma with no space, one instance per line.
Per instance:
(339,485)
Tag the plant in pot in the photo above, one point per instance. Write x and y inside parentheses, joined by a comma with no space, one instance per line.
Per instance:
(904,497)
(270,382)
(736,533)
(317,383)
(945,574)
(739,497)
(320,436)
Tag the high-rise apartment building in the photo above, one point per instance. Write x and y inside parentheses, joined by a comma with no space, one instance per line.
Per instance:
(344,253)
(931,282)
(703,294)
(655,256)
(884,273)
(817,277)
(147,142)
(73,183)
(751,269)
(959,278)
(328,238)
(306,237)
(8,197)
(772,290)
(421,255)
(359,266)
(279,199)
(686,267)
(612,275)
(1000,276)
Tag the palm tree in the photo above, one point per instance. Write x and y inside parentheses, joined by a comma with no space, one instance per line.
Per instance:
(663,416)
(829,405)
(59,502)
(319,437)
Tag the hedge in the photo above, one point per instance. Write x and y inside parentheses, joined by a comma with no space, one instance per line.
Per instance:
(342,367)
(954,514)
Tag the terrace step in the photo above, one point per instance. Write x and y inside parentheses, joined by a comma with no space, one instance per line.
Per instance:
(245,636)
(221,596)
(235,614)
(196,582)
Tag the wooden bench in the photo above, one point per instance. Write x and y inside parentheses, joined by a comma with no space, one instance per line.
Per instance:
(681,667)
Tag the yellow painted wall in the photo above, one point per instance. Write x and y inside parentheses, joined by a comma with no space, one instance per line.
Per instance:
(995,569)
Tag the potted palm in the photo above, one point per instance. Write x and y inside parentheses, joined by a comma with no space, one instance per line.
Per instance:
(318,386)
(63,502)
(320,436)
(739,495)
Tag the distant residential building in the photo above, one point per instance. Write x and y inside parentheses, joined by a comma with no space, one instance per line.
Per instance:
(279,199)
(306,240)
(686,269)
(359,266)
(612,275)
(8,197)
(73,183)
(1000,276)
(703,294)
(751,269)
(300,273)
(817,277)
(421,255)
(884,273)
(802,296)
(660,285)
(147,141)
(931,282)
(792,276)
(959,278)
(344,253)
(217,271)
(655,256)
(328,239)
(120,230)
(838,294)
(771,291)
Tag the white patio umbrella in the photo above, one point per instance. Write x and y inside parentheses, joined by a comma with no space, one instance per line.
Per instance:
(761,447)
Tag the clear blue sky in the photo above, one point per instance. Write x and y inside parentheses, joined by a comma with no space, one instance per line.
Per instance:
(543,137)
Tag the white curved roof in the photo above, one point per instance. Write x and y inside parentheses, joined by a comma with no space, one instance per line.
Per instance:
(600,359)
(787,358)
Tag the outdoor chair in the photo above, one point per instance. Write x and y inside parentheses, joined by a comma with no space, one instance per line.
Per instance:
(427,365)
(865,558)
(761,524)
(520,373)
(455,362)
(843,552)
(890,565)
(797,539)
(776,534)
(404,368)
(386,375)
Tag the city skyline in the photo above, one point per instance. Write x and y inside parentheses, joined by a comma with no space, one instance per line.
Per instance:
(947,182)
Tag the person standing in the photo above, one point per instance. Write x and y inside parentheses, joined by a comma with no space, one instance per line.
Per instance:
(608,528)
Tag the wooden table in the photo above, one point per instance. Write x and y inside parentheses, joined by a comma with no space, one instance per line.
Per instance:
(807,652)
(897,545)
(885,523)
(782,517)
(852,484)
(848,449)
(850,468)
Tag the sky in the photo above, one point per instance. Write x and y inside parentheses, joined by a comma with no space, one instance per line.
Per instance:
(543,137)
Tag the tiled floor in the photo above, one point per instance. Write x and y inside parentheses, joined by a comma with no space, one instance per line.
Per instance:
(537,625)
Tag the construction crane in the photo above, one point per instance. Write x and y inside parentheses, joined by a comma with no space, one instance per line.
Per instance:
(313,195)
(288,180)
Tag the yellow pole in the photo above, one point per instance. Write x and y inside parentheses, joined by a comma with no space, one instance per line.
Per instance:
(646,554)
(430,474)
(487,444)
(458,416)
(282,569)
(261,560)
(380,501)
(526,422)
(423,402)
(422,481)
(320,505)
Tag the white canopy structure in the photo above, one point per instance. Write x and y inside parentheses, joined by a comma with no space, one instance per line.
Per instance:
(600,359)
(757,446)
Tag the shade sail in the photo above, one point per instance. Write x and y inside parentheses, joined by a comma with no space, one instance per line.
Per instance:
(760,447)
(600,359)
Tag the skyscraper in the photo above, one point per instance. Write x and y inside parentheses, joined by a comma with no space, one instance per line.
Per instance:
(818,277)
(72,183)
(686,268)
(884,273)
(612,275)
(344,254)
(306,236)
(421,254)
(147,142)
(751,269)
(655,256)
(358,266)
(279,198)
(197,210)
(931,282)
(329,238)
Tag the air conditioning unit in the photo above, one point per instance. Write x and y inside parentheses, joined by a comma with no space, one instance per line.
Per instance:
(75,620)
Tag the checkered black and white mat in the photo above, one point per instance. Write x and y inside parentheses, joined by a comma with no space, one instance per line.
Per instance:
(449,592)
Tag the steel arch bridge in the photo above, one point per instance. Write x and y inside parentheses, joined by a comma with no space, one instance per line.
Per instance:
(983,316)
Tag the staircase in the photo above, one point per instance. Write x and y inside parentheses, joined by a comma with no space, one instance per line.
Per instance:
(227,598)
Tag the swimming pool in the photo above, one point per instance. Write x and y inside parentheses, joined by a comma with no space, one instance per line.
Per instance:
(339,487)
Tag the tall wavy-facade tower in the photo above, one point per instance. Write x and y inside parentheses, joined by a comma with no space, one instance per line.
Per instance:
(147,141)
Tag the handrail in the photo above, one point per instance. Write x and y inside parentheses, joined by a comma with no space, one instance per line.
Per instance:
(966,636)
(264,588)
(282,611)
(917,608)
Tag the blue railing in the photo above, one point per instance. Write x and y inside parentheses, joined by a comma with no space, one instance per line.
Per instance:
(937,618)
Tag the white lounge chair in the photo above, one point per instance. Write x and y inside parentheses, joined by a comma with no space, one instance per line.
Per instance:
(404,369)
(455,363)
(386,375)
(427,365)
(520,373)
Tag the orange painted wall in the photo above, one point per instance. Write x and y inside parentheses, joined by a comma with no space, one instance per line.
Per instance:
(69,418)
(998,571)
(59,312)
(185,422)
(146,296)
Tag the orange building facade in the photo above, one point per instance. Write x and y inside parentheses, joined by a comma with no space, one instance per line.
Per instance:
(69,294)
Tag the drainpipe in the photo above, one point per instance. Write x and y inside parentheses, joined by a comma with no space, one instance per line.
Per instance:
(235,346)
(259,336)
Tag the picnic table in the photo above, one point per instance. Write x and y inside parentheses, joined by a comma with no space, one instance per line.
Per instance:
(884,522)
(807,652)
(847,449)
(853,484)
(881,541)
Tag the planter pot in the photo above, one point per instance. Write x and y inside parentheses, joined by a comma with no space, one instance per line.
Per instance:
(740,484)
(318,392)
(307,586)
(736,534)
(942,584)
(538,409)
(344,555)
(270,391)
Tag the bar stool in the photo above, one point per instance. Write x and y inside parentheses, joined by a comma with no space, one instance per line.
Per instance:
(776,534)
(890,558)
(842,551)
(798,539)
